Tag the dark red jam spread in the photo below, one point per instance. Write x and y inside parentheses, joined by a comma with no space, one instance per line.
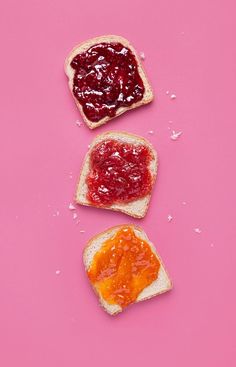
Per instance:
(119,172)
(106,77)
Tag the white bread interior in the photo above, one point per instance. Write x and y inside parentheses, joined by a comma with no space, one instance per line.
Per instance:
(136,208)
(148,94)
(160,285)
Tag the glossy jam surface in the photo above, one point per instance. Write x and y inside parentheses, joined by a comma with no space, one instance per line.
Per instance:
(106,78)
(119,172)
(123,267)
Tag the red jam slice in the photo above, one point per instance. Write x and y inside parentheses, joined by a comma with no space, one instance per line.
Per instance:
(119,173)
(123,267)
(106,77)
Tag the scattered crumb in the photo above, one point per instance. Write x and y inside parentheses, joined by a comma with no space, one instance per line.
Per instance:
(58,272)
(78,123)
(78,221)
(75,215)
(70,175)
(173,96)
(150,132)
(89,146)
(167,92)
(17,217)
(212,244)
(56,214)
(169,217)
(142,55)
(170,121)
(82,231)
(175,135)
(197,230)
(71,206)
(184,202)
(168,127)
(182,33)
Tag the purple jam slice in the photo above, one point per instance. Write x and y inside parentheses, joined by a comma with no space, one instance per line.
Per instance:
(106,78)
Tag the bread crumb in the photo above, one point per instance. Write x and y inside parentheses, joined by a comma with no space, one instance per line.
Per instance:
(197,230)
(89,146)
(184,202)
(82,231)
(75,215)
(58,272)
(78,123)
(169,217)
(175,135)
(173,96)
(212,245)
(71,206)
(150,132)
(56,214)
(142,55)
(167,92)
(70,175)
(170,121)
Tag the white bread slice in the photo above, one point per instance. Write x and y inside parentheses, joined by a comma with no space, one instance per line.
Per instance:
(160,285)
(148,94)
(137,208)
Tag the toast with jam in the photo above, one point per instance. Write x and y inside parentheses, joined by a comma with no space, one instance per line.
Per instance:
(118,173)
(124,267)
(106,79)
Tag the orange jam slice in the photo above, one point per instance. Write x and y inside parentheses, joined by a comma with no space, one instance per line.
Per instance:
(123,267)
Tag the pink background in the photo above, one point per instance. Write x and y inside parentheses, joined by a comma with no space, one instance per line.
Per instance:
(50,319)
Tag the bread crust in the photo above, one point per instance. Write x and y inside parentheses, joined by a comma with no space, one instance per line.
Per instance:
(141,231)
(126,208)
(148,94)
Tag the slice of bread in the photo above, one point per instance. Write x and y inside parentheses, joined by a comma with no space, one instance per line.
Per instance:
(148,94)
(160,285)
(137,208)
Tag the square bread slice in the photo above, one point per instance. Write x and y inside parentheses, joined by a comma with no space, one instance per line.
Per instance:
(161,285)
(148,93)
(137,208)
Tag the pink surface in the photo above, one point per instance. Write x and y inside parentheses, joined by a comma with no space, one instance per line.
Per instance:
(50,319)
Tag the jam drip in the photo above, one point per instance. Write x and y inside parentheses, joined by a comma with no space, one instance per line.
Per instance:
(106,77)
(123,267)
(119,173)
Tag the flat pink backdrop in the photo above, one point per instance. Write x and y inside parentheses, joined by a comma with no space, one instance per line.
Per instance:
(49,315)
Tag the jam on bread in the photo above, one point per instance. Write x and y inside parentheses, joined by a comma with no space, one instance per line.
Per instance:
(106,77)
(119,172)
(123,267)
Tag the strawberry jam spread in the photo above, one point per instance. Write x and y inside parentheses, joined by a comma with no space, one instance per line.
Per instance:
(119,173)
(123,267)
(106,77)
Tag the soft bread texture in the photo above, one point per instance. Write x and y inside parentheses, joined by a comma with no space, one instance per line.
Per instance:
(161,285)
(137,208)
(148,93)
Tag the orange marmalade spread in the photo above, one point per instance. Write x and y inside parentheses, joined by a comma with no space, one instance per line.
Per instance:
(123,267)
